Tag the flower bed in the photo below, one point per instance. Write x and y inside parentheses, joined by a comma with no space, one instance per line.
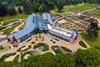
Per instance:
(27,48)
(5,56)
(82,44)
(66,49)
(3,49)
(20,48)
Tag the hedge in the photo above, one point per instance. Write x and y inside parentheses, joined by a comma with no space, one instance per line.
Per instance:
(82,44)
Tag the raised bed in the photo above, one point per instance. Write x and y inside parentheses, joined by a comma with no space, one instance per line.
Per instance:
(2,49)
(28,47)
(20,49)
(6,56)
(82,44)
(66,49)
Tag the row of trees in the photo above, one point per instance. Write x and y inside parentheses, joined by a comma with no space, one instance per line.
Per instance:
(93,29)
(29,6)
(8,10)
(82,58)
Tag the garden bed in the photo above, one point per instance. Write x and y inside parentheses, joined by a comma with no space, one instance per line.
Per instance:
(6,56)
(82,44)
(41,46)
(56,49)
(2,49)
(66,49)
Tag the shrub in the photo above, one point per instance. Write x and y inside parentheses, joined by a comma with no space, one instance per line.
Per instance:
(7,55)
(66,49)
(27,48)
(20,48)
(53,42)
(2,49)
(28,52)
(33,43)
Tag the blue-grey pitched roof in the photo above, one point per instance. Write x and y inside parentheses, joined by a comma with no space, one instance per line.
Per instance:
(34,22)
(27,29)
(56,33)
(47,16)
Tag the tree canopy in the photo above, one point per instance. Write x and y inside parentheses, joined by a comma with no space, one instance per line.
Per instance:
(87,58)
(37,5)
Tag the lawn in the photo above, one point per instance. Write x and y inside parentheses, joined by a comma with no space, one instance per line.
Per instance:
(95,13)
(10,19)
(9,30)
(79,7)
(92,43)
(73,8)
(18,16)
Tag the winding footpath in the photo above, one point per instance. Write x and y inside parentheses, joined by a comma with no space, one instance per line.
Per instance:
(17,28)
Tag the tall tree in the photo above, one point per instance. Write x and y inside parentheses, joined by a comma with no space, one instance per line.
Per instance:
(60,4)
(92,31)
(87,58)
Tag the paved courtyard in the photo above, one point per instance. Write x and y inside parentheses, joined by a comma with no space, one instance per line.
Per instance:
(43,38)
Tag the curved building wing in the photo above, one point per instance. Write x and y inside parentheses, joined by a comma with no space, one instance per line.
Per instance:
(41,23)
(30,26)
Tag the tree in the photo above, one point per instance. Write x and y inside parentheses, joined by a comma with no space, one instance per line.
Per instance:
(60,4)
(11,11)
(20,10)
(27,6)
(64,60)
(87,58)
(3,10)
(92,31)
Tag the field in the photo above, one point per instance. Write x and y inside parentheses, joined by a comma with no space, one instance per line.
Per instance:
(73,9)
(95,13)
(9,19)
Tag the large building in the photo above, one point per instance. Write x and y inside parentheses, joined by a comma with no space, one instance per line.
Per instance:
(41,23)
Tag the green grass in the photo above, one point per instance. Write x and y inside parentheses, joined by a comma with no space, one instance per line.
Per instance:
(93,43)
(5,49)
(9,30)
(18,16)
(10,19)
(79,7)
(73,8)
(95,13)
